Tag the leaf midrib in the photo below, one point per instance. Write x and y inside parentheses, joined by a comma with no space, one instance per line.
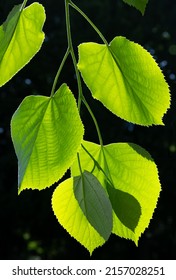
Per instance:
(135,95)
(30,155)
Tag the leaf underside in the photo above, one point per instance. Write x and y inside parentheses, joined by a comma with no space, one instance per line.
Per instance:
(69,214)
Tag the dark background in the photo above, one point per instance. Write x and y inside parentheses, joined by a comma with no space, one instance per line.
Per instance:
(28,228)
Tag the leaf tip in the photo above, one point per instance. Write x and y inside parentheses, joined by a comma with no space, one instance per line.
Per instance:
(140,5)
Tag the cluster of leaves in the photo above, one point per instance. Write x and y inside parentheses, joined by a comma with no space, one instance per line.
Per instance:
(113,188)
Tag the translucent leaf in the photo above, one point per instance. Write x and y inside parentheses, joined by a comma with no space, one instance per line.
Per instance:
(72,218)
(94,203)
(126,79)
(21,38)
(47,133)
(133,173)
(138,4)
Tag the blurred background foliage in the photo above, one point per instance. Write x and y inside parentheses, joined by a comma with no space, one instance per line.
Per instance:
(28,228)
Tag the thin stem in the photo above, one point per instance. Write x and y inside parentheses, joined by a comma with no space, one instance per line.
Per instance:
(94,120)
(107,167)
(59,71)
(23,5)
(89,21)
(69,38)
(80,94)
(67,18)
(79,164)
(98,166)
(82,176)
(70,45)
(82,98)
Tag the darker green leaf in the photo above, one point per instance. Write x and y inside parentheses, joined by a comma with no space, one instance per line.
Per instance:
(94,203)
(138,4)
(125,206)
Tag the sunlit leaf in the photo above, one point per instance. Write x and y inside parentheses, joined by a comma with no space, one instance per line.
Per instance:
(126,79)
(94,203)
(47,133)
(131,170)
(138,4)
(72,218)
(21,38)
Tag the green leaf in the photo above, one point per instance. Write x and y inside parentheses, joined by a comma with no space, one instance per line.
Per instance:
(21,38)
(126,79)
(94,203)
(138,4)
(46,133)
(131,171)
(71,217)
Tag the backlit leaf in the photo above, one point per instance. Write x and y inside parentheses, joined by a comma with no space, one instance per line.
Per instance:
(47,133)
(94,203)
(126,79)
(21,38)
(138,4)
(72,218)
(130,170)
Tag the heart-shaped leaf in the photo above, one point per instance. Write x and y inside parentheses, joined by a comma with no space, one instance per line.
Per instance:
(71,217)
(46,133)
(126,79)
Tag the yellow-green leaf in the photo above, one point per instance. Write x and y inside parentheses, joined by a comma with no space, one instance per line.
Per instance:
(131,170)
(46,133)
(126,79)
(70,216)
(21,38)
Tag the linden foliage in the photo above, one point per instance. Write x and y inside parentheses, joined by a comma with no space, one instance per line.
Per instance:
(113,188)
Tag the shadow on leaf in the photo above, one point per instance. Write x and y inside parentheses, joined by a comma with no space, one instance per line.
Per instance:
(141,151)
(125,206)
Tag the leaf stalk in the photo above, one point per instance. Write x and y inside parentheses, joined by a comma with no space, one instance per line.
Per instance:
(89,21)
(59,71)
(23,4)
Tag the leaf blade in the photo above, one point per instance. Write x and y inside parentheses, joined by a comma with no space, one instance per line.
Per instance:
(71,217)
(21,38)
(44,142)
(131,170)
(123,76)
(94,203)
